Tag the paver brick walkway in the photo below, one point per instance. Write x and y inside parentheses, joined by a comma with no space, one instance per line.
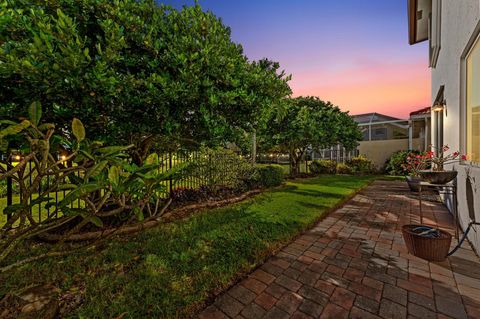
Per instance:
(354,264)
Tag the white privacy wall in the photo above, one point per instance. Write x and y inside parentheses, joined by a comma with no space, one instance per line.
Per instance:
(459,20)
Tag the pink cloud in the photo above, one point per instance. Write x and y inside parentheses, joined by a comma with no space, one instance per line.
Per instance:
(392,89)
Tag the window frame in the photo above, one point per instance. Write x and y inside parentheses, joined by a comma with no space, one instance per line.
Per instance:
(474,38)
(435,33)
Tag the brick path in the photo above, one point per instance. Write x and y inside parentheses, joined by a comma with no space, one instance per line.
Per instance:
(354,264)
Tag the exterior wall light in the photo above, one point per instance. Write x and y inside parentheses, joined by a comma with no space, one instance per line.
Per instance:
(440,107)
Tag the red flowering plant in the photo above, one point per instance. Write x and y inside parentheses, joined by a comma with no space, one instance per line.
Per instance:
(439,157)
(415,163)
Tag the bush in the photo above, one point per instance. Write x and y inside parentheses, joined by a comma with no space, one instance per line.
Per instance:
(361,165)
(221,168)
(323,167)
(343,169)
(397,163)
(269,175)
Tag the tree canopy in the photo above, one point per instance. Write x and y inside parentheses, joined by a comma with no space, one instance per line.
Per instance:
(308,122)
(131,70)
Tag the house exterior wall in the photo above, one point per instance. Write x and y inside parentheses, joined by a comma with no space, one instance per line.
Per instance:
(379,151)
(458,22)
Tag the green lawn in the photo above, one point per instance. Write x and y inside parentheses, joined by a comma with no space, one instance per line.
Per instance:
(286,167)
(170,271)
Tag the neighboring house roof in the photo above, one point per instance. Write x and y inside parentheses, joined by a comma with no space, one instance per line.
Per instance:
(418,20)
(372,118)
(425,111)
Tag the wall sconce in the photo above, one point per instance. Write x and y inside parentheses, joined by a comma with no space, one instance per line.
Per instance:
(440,107)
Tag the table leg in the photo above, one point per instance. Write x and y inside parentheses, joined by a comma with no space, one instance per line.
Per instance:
(420,203)
(455,214)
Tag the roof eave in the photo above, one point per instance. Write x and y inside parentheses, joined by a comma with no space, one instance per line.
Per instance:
(412,23)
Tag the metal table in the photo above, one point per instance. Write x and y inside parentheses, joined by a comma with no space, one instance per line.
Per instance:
(445,189)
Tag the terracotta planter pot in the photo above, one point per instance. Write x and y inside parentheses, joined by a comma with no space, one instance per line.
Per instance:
(412,182)
(441,177)
(431,249)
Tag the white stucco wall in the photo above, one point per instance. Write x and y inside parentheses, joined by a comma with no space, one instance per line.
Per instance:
(459,20)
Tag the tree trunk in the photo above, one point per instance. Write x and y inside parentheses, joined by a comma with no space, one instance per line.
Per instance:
(294,164)
(141,150)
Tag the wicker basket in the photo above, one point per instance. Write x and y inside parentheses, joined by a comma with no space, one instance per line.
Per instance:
(431,249)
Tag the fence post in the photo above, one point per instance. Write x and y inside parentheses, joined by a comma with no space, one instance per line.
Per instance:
(170,180)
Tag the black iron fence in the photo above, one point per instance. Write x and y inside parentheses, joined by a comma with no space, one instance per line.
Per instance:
(210,168)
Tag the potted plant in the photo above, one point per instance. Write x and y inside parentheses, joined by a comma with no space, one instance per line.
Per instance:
(414,164)
(437,174)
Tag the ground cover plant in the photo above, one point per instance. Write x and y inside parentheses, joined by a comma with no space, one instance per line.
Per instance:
(170,271)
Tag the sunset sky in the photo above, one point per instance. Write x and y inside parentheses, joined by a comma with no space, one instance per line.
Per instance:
(353,53)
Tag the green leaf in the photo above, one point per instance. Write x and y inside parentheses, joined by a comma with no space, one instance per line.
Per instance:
(40,200)
(15,129)
(114,175)
(66,187)
(110,150)
(46,127)
(152,159)
(35,112)
(74,179)
(96,169)
(3,145)
(87,155)
(78,192)
(96,221)
(7,122)
(69,211)
(78,129)
(12,209)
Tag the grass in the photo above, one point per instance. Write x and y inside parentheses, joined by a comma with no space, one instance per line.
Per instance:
(286,167)
(171,271)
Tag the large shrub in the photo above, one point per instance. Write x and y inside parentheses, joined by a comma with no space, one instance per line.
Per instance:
(397,164)
(131,71)
(270,175)
(361,165)
(323,167)
(222,168)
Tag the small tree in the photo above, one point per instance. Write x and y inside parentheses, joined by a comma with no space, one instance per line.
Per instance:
(308,122)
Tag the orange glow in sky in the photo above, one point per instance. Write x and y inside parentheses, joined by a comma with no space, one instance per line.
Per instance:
(395,90)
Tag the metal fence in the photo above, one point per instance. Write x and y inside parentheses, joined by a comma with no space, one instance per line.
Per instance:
(217,168)
(338,154)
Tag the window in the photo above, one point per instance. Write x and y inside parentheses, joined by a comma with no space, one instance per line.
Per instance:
(473,103)
(434,32)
